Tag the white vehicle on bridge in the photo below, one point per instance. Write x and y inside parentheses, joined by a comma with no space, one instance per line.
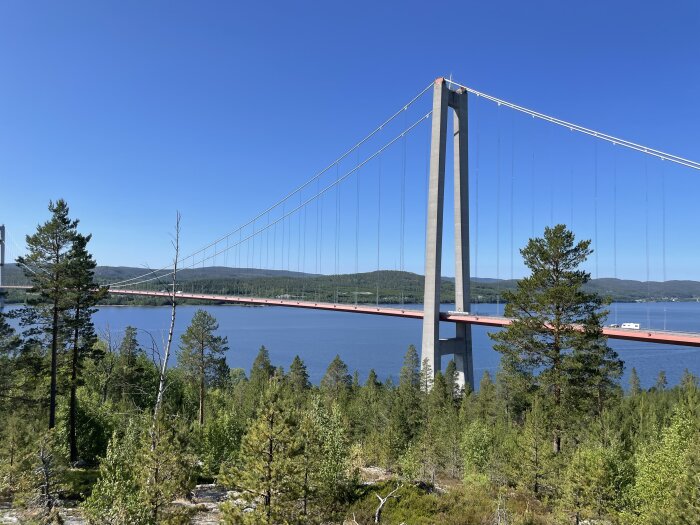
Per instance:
(630,326)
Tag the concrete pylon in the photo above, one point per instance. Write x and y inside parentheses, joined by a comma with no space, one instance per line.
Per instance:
(459,346)
(2,264)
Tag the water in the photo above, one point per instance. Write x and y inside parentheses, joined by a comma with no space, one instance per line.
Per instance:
(366,341)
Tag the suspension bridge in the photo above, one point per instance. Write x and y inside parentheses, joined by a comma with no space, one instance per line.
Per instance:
(350,238)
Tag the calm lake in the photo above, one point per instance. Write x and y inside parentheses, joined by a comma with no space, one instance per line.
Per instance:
(365,341)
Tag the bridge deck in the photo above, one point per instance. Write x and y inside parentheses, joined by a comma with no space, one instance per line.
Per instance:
(649,336)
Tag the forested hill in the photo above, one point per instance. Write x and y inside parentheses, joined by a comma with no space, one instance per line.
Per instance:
(393,286)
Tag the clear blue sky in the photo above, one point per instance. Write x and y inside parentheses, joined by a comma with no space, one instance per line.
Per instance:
(132,110)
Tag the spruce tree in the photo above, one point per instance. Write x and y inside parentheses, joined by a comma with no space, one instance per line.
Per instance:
(635,384)
(661,381)
(260,373)
(298,376)
(555,340)
(337,381)
(201,353)
(46,265)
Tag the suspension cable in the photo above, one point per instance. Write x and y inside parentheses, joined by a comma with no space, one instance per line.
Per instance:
(321,192)
(575,127)
(318,175)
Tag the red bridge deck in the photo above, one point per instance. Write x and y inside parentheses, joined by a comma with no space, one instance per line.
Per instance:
(649,336)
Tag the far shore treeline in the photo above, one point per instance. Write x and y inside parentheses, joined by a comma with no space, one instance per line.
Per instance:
(395,287)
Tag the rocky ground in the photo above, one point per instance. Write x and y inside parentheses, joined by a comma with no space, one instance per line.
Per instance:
(205,499)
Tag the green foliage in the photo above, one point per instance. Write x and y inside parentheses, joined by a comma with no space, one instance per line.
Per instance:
(555,343)
(659,466)
(117,498)
(202,356)
(337,380)
(267,471)
(141,475)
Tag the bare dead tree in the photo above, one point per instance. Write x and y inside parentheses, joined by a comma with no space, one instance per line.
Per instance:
(173,303)
(382,502)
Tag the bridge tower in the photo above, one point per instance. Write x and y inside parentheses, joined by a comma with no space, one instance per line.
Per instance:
(2,264)
(459,346)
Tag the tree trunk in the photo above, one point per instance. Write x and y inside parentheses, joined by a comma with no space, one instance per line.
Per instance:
(73,392)
(54,365)
(164,364)
(201,386)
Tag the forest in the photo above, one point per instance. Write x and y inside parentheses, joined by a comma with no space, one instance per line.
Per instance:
(112,431)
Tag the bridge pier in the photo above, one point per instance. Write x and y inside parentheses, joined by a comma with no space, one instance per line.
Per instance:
(460,346)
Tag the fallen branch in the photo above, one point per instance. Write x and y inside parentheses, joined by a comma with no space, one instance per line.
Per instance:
(382,502)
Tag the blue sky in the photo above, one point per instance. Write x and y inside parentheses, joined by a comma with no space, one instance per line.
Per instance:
(133,110)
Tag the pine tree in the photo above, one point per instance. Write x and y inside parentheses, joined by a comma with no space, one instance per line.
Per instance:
(201,353)
(84,295)
(556,340)
(268,472)
(46,265)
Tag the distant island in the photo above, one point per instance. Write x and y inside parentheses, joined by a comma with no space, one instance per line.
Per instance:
(393,287)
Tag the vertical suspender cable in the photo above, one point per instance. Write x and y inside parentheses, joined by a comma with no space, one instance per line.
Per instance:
(303,261)
(646,236)
(337,230)
(571,199)
(402,221)
(274,247)
(379,219)
(532,197)
(595,206)
(320,249)
(267,242)
(615,224)
(512,191)
(663,221)
(318,221)
(476,209)
(357,229)
(498,212)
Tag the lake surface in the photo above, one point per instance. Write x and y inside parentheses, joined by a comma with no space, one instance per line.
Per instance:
(366,341)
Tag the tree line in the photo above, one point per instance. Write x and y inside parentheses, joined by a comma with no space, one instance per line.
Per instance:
(551,438)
